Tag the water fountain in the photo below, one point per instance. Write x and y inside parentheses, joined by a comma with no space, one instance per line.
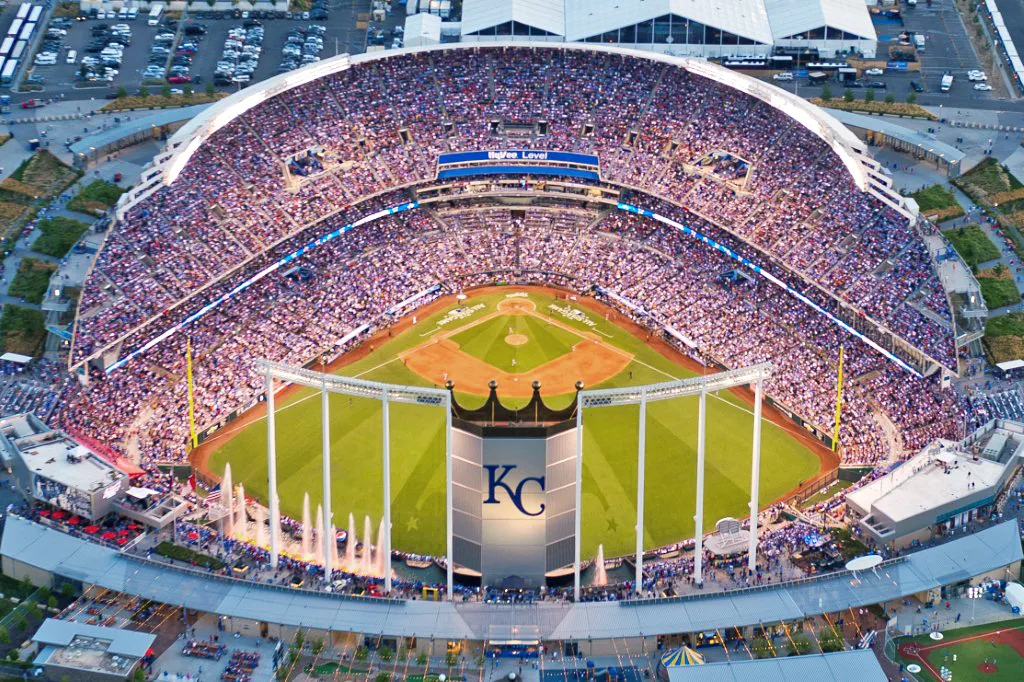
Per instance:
(307,529)
(226,500)
(335,563)
(350,545)
(600,574)
(241,522)
(366,563)
(318,553)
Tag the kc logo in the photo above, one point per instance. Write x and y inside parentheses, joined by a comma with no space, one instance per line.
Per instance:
(496,480)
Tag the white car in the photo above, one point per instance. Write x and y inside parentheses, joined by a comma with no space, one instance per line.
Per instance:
(982,86)
(874,72)
(785,76)
(177,91)
(976,76)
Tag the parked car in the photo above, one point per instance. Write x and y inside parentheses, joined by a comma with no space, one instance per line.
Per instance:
(982,86)
(874,72)
(916,86)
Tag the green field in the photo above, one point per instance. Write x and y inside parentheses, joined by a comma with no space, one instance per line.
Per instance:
(971,651)
(610,441)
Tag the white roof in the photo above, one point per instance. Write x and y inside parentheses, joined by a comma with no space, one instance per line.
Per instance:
(1015,594)
(1010,364)
(16,357)
(122,642)
(547,15)
(791,17)
(747,18)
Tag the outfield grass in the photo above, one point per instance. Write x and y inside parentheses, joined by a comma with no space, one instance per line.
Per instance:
(970,654)
(972,244)
(610,445)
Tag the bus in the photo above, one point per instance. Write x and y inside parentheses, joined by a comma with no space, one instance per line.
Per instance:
(7,75)
(5,48)
(15,27)
(37,11)
(19,49)
(154,15)
(23,10)
(26,31)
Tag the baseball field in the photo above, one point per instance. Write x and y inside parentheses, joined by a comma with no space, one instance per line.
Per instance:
(994,651)
(516,335)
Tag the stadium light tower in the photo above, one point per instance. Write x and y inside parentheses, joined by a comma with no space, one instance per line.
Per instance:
(275,511)
(642,395)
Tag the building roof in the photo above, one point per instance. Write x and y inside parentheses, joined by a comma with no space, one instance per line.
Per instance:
(965,557)
(104,138)
(920,140)
(842,666)
(120,642)
(747,18)
(793,17)
(56,456)
(547,15)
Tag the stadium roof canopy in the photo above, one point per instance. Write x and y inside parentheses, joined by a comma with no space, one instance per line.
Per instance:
(793,18)
(744,18)
(29,544)
(842,666)
(122,642)
(546,15)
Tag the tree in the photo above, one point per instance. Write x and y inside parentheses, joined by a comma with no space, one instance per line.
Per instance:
(317,647)
(44,593)
(52,602)
(890,98)
(300,638)
(831,640)
(122,92)
(165,91)
(451,659)
(1000,269)
(5,635)
(67,589)
(869,95)
(848,95)
(911,98)
(143,91)
(139,675)
(13,655)
(361,653)
(210,90)
(386,653)
(826,93)
(383,677)
(422,658)
(33,611)
(187,90)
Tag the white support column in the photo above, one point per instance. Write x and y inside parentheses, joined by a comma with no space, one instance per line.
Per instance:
(640,468)
(275,513)
(328,542)
(755,477)
(579,498)
(385,406)
(698,530)
(449,493)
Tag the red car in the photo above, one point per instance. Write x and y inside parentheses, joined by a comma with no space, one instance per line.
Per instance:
(179,79)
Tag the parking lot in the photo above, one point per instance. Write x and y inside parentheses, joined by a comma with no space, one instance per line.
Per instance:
(61,79)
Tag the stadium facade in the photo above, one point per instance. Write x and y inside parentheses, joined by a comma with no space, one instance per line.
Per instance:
(718,28)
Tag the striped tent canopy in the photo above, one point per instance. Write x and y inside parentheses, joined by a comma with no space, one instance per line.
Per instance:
(682,656)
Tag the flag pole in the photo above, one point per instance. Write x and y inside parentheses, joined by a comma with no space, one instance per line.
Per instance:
(839,400)
(191,394)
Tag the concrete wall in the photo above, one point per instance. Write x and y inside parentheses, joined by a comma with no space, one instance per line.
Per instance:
(19,571)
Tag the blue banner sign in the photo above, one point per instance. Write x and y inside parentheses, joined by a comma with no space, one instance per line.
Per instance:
(517,155)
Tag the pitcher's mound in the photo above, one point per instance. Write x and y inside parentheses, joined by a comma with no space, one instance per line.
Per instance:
(516,339)
(988,668)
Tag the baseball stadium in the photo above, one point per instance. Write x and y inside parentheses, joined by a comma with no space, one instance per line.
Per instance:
(475,353)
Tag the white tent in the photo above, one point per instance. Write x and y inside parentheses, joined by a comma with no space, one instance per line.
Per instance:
(1015,595)
(16,357)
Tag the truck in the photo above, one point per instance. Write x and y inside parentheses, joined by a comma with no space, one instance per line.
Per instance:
(947,82)
(32,104)
(919,41)
(154,15)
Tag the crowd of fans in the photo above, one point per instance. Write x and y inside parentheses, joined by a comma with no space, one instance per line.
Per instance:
(381,125)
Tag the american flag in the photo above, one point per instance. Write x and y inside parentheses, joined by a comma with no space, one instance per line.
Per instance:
(214,496)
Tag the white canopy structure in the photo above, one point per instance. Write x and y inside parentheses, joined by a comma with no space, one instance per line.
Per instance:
(705,28)
(1015,595)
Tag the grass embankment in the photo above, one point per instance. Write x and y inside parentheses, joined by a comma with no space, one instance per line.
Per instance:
(32,185)
(937,203)
(992,185)
(96,198)
(22,330)
(900,109)
(32,280)
(972,244)
(59,234)
(161,101)
(179,553)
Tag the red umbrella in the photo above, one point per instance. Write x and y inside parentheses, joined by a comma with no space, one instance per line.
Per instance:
(45,513)
(109,535)
(132,526)
(91,530)
(59,514)
(193,535)
(122,541)
(74,521)
(122,532)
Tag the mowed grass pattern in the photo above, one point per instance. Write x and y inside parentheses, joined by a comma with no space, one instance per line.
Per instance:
(609,457)
(486,341)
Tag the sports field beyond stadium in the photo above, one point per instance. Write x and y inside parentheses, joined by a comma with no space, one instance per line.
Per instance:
(992,652)
(516,335)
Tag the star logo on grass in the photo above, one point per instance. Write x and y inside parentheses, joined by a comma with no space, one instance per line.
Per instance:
(613,525)
(412,524)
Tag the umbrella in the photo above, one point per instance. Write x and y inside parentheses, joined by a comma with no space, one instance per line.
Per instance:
(91,530)
(59,514)
(45,513)
(109,535)
(193,535)
(122,541)
(680,657)
(122,532)
(74,521)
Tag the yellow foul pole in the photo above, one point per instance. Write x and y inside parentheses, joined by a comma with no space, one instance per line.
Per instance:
(839,400)
(191,394)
